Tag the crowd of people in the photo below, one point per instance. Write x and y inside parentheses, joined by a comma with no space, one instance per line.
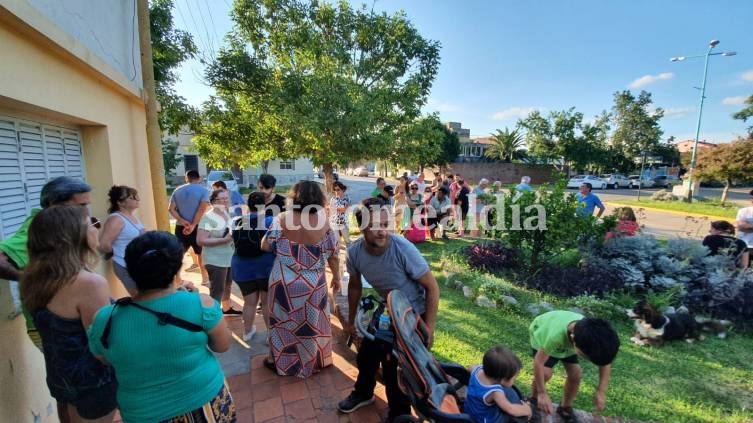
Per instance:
(277,250)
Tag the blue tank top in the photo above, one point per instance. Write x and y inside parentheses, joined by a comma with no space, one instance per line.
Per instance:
(478,409)
(72,369)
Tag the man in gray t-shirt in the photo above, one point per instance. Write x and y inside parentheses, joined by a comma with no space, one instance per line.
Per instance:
(387,262)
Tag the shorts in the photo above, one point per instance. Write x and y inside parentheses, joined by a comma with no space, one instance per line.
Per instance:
(188,241)
(571,359)
(95,403)
(252,286)
(219,409)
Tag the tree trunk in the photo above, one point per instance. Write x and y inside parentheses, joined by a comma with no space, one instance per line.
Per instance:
(725,191)
(328,178)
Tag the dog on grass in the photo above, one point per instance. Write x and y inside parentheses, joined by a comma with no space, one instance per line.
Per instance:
(655,328)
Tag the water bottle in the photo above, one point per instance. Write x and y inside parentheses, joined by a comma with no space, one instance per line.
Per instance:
(384,321)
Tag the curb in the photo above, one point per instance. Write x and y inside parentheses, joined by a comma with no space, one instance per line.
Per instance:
(679,213)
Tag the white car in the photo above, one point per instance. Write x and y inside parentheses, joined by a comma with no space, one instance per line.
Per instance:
(635,182)
(361,171)
(615,180)
(595,181)
(222,175)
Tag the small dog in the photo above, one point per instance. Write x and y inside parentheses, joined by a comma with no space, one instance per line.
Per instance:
(654,328)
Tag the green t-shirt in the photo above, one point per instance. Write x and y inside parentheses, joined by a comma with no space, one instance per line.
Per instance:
(218,255)
(549,333)
(15,246)
(162,370)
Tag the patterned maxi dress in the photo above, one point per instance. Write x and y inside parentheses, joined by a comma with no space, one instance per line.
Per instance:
(300,331)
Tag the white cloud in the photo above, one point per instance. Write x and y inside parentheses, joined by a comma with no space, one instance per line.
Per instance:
(748,76)
(513,113)
(677,112)
(442,106)
(734,101)
(650,79)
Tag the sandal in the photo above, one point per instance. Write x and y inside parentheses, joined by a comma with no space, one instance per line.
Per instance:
(567,414)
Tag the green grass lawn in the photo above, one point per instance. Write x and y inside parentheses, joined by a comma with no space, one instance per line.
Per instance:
(709,208)
(710,381)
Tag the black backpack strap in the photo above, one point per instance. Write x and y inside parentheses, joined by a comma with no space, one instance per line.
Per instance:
(162,319)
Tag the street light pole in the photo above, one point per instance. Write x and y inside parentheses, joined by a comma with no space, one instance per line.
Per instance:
(712,44)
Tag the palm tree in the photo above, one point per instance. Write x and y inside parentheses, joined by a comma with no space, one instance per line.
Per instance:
(506,145)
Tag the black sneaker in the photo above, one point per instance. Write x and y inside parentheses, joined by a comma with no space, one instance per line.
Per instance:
(353,403)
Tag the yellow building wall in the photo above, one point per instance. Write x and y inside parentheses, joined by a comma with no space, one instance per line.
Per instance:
(40,82)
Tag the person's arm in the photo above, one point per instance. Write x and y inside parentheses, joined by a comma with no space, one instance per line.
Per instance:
(93,294)
(7,269)
(199,214)
(600,206)
(431,287)
(219,336)
(539,380)
(515,410)
(204,240)
(265,245)
(743,226)
(744,260)
(173,210)
(111,230)
(600,396)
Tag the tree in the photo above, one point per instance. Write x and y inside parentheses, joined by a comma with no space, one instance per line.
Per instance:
(450,148)
(420,143)
(506,145)
(726,162)
(538,136)
(746,114)
(636,127)
(322,81)
(170,156)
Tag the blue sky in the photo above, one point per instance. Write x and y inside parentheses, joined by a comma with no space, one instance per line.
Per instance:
(502,59)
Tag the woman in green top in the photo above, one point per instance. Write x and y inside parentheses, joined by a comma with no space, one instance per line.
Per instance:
(217,248)
(164,369)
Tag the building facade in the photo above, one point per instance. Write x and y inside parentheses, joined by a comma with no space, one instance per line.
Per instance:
(70,104)
(687,145)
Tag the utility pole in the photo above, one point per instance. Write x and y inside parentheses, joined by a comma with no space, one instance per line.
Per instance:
(153,132)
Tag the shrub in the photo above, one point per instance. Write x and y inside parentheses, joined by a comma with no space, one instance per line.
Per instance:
(493,257)
(663,195)
(605,308)
(724,296)
(590,279)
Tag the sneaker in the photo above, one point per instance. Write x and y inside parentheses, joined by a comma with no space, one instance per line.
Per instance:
(232,311)
(444,236)
(247,337)
(354,402)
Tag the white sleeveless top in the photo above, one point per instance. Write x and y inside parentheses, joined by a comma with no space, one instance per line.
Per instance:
(130,231)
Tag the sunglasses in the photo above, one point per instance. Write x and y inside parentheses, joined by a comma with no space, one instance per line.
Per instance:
(95,222)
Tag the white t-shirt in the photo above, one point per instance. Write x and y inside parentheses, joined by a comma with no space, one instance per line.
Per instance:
(745,214)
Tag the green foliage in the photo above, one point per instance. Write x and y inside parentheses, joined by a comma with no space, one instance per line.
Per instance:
(521,225)
(170,47)
(663,195)
(318,80)
(746,114)
(507,145)
(170,156)
(419,143)
(727,163)
(637,128)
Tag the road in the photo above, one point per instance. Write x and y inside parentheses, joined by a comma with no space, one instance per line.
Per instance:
(663,225)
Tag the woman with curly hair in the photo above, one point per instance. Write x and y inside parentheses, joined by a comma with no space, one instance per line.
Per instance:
(63,295)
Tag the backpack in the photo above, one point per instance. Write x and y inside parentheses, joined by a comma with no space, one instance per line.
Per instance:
(247,237)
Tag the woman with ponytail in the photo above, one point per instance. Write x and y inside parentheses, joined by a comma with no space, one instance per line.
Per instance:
(157,341)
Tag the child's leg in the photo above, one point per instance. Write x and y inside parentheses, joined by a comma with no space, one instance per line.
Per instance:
(572,383)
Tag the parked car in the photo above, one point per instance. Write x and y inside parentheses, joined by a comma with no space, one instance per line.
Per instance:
(615,180)
(595,181)
(635,182)
(361,171)
(320,174)
(222,175)
(666,181)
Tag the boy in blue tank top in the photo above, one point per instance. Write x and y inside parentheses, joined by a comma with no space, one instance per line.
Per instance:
(491,397)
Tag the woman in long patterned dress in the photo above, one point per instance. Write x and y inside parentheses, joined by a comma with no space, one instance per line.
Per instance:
(303,243)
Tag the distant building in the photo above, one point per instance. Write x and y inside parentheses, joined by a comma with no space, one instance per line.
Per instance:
(463,133)
(471,149)
(687,145)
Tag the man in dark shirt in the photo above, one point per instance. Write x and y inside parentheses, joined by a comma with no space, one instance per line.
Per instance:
(721,240)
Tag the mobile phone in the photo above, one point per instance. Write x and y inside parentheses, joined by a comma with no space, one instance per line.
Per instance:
(224,234)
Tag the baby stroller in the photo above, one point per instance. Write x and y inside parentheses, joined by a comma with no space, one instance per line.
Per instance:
(436,390)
